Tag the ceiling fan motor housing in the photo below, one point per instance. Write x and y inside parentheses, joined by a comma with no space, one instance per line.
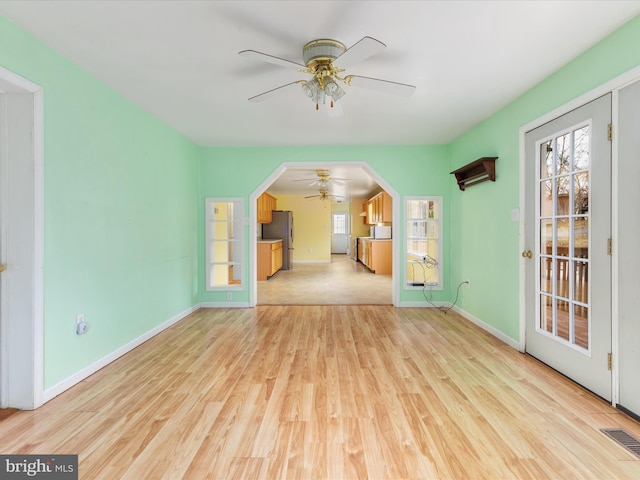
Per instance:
(321,51)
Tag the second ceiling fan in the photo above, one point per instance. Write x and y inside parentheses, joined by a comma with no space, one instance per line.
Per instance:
(325,60)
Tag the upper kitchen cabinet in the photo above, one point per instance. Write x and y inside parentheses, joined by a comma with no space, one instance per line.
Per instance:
(266,204)
(380,209)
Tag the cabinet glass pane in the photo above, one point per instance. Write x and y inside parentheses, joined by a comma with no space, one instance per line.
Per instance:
(224,240)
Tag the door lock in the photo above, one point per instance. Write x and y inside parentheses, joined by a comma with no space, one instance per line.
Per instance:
(527,254)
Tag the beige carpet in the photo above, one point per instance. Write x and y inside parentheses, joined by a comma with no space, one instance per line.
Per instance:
(341,282)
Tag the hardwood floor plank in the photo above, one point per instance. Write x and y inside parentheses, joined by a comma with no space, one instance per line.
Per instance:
(327,392)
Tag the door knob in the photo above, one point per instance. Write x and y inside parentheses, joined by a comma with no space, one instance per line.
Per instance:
(2,268)
(527,254)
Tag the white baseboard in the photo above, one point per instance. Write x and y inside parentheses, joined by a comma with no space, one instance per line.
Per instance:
(488,328)
(423,304)
(225,305)
(77,377)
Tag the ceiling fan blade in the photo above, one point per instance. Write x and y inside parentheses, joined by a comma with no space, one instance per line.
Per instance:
(265,57)
(365,48)
(385,86)
(276,91)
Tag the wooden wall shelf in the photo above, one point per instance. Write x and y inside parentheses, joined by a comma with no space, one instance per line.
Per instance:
(479,171)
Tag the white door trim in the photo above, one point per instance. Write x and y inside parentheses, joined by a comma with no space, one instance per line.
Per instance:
(23,388)
(612,86)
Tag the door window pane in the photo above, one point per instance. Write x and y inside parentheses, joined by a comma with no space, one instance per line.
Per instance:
(339,224)
(564,232)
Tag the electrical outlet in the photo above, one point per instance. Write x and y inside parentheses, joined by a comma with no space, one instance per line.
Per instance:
(229,296)
(81,325)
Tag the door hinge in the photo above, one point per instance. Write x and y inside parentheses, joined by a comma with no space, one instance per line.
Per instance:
(609,361)
(609,247)
(610,132)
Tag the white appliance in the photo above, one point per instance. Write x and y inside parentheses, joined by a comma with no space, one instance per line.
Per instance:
(380,232)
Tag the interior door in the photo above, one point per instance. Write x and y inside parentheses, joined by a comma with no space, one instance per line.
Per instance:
(567,232)
(339,232)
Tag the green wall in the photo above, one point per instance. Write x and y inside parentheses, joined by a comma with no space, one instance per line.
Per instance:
(410,170)
(120,220)
(484,240)
(124,197)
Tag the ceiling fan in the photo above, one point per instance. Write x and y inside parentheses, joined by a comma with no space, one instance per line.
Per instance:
(325,60)
(324,179)
(325,195)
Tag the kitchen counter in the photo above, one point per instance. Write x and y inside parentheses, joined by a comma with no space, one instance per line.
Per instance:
(270,240)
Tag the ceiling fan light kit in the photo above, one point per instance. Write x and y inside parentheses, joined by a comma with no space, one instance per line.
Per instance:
(325,60)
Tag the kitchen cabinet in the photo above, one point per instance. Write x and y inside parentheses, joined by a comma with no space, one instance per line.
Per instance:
(269,258)
(361,248)
(380,209)
(380,256)
(376,255)
(266,204)
(369,210)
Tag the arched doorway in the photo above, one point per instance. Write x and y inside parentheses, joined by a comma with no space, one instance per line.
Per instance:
(254,234)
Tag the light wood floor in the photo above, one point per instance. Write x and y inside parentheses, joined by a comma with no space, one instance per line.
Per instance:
(341,282)
(315,392)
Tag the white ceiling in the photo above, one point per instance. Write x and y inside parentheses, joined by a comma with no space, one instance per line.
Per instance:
(179,60)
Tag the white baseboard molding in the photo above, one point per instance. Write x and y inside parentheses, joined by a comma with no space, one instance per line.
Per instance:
(77,377)
(423,304)
(488,328)
(225,305)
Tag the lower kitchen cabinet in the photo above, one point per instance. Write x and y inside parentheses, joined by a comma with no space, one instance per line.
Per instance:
(376,255)
(380,253)
(269,258)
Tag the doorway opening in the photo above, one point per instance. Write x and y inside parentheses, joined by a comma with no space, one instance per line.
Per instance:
(340,262)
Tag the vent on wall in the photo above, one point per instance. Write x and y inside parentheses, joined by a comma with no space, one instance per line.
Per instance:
(479,171)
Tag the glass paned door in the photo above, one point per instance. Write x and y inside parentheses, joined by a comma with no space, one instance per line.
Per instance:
(563,277)
(567,224)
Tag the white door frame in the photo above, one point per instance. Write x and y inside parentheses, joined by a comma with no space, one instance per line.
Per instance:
(612,86)
(21,229)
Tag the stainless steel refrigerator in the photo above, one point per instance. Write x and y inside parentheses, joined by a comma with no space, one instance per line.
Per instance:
(281,227)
